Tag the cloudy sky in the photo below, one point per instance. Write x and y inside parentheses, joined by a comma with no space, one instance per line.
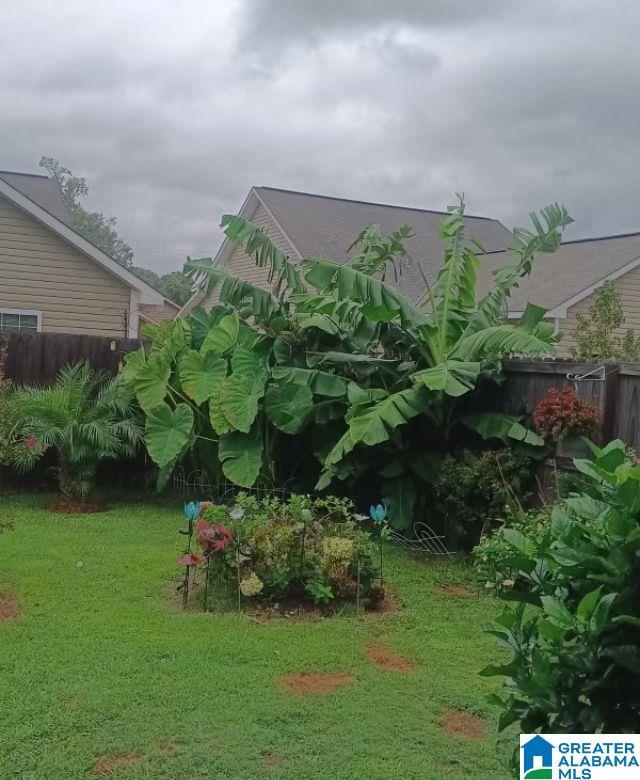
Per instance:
(172,109)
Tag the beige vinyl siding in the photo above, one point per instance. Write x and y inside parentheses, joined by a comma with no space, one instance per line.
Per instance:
(629,288)
(42,272)
(241,265)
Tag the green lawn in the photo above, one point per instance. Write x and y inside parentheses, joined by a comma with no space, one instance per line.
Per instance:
(102,662)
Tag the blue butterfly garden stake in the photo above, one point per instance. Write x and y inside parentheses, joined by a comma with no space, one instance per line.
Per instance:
(379,514)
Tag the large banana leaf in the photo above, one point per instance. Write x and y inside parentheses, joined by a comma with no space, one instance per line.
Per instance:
(251,300)
(493,425)
(167,431)
(454,377)
(241,457)
(372,425)
(287,405)
(150,381)
(222,336)
(200,372)
(283,275)
(501,340)
(380,301)
(320,382)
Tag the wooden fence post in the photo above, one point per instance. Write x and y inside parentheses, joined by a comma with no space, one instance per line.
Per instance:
(608,421)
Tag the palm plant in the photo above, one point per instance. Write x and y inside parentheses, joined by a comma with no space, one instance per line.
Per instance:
(85,417)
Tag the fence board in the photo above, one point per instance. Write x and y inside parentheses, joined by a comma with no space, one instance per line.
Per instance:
(617,396)
(36,358)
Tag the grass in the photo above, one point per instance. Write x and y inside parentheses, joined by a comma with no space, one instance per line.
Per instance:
(102,661)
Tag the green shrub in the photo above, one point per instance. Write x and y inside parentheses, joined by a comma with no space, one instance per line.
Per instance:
(301,549)
(493,559)
(575,665)
(473,490)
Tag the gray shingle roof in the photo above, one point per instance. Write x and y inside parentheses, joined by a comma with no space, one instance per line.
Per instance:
(576,265)
(41,190)
(323,226)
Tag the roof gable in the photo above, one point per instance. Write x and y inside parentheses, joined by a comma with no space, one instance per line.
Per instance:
(41,190)
(63,231)
(565,277)
(324,226)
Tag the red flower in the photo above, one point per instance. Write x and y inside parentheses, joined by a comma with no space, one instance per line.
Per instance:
(189,559)
(31,442)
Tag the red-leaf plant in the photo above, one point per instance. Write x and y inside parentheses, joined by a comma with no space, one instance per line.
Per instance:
(213,537)
(562,413)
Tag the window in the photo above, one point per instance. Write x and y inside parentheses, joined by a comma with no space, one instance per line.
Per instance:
(23,320)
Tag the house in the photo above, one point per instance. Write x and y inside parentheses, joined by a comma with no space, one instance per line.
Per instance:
(565,283)
(156,314)
(307,225)
(55,281)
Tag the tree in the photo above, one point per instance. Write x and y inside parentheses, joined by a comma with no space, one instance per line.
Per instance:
(595,332)
(94,226)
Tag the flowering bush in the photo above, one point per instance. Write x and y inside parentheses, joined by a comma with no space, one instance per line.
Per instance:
(301,548)
(562,413)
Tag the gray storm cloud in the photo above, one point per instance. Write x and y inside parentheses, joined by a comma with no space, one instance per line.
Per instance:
(173,110)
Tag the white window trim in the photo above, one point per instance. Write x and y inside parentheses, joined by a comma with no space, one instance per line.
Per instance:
(30,312)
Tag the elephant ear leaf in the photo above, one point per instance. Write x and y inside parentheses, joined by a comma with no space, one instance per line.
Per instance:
(167,431)
(150,382)
(238,402)
(199,374)
(222,336)
(245,363)
(241,457)
(287,405)
(133,362)
(400,494)
(219,422)
(454,377)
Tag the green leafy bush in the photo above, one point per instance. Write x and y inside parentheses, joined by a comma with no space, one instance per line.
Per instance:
(493,559)
(473,490)
(575,656)
(84,418)
(300,549)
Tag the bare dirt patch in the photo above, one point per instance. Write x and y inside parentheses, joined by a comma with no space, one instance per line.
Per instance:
(271,760)
(457,591)
(9,608)
(386,659)
(107,765)
(307,684)
(69,506)
(459,723)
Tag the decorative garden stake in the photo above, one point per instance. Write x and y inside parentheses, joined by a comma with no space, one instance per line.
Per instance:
(191,512)
(379,515)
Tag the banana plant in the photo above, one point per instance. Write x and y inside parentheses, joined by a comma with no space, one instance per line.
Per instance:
(335,353)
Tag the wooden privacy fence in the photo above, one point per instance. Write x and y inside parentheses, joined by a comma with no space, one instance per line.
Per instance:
(36,358)
(614,388)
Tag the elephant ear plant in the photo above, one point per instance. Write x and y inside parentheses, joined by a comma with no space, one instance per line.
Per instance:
(84,418)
